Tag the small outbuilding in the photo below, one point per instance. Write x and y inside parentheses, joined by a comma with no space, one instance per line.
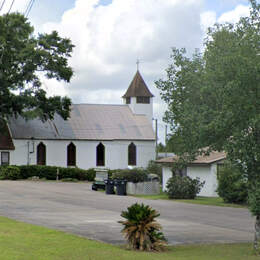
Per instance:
(203,167)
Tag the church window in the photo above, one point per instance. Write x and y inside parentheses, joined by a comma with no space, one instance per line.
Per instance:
(143,100)
(71,155)
(5,157)
(100,153)
(132,154)
(128,100)
(41,154)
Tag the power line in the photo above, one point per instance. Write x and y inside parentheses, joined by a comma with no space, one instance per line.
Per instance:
(2,5)
(29,7)
(10,7)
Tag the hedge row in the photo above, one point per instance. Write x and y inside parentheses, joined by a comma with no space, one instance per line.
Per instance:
(47,172)
(50,173)
(132,175)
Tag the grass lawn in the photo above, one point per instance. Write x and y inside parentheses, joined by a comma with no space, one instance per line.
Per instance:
(24,241)
(214,201)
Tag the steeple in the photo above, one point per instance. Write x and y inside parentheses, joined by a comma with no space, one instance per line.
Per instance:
(138,88)
(139,97)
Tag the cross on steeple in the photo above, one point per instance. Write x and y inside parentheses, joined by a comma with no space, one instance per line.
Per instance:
(137,63)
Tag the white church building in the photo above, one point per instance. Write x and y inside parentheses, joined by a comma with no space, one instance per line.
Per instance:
(95,135)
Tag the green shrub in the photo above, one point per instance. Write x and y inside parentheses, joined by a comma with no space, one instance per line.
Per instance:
(131,175)
(90,175)
(111,172)
(28,171)
(10,173)
(141,229)
(50,172)
(42,171)
(73,173)
(232,186)
(155,168)
(183,187)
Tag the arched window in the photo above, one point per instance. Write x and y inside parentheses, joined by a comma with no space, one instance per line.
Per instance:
(132,154)
(41,154)
(100,155)
(71,155)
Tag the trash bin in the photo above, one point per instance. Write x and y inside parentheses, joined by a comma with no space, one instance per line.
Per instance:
(120,187)
(94,187)
(109,186)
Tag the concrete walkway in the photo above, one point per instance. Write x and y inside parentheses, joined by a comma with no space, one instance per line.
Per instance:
(75,208)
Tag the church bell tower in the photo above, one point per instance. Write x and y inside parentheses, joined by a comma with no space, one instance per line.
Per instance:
(139,98)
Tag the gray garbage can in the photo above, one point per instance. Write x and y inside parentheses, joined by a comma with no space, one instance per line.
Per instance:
(120,187)
(109,186)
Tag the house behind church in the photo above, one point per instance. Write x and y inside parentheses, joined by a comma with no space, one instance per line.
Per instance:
(95,135)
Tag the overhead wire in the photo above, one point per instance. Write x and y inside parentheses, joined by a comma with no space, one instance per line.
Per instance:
(10,8)
(29,8)
(2,5)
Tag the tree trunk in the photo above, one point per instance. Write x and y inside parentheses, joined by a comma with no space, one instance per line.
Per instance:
(257,235)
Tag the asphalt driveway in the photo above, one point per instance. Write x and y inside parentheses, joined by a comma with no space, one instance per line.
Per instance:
(75,208)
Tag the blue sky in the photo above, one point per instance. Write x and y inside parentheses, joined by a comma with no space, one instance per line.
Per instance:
(221,6)
(53,10)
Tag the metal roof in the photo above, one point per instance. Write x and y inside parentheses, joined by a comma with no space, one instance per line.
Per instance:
(87,122)
(138,88)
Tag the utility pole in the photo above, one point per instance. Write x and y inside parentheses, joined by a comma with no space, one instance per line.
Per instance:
(165,140)
(156,136)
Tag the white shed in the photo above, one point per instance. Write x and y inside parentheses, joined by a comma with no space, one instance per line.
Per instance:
(203,167)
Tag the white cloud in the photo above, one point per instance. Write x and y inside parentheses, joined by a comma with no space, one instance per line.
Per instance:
(207,19)
(110,38)
(234,15)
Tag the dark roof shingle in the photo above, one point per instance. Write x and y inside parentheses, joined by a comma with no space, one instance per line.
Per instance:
(138,88)
(6,142)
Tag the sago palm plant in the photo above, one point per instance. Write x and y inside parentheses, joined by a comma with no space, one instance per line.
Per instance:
(141,229)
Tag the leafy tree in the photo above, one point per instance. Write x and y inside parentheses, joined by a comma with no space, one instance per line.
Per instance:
(24,58)
(213,97)
(232,186)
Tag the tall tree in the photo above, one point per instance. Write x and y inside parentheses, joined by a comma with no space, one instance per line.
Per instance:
(214,97)
(24,57)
